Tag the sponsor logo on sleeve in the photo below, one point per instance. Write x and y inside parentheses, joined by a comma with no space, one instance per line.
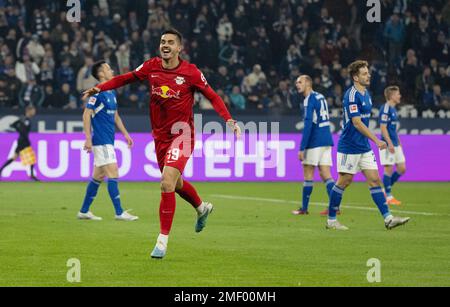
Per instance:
(353,109)
(384,118)
(92,101)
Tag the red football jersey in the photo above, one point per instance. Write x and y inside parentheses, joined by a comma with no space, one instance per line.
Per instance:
(172,96)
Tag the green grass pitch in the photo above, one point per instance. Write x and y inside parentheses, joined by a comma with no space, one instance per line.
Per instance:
(251,238)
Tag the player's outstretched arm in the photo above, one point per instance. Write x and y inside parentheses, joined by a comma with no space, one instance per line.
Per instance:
(200,83)
(220,107)
(122,129)
(116,82)
(359,125)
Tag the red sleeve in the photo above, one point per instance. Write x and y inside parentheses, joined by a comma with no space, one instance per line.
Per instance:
(139,74)
(117,81)
(199,83)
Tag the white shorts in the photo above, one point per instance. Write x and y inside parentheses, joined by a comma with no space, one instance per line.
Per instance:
(352,164)
(104,155)
(387,158)
(318,156)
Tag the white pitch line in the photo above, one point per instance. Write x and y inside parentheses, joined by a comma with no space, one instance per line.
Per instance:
(281,201)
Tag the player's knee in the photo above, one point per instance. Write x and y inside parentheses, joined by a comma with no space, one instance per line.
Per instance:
(325,174)
(344,181)
(401,170)
(167,185)
(99,178)
(374,182)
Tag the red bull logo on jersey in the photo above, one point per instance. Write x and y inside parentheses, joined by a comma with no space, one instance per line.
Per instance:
(165,92)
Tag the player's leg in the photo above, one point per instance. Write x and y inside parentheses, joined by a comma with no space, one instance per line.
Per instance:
(374,182)
(310,162)
(112,172)
(388,170)
(187,191)
(8,162)
(327,178)
(91,192)
(308,185)
(167,206)
(347,167)
(400,171)
(337,192)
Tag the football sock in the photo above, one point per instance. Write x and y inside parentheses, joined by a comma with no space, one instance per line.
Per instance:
(6,164)
(380,200)
(189,194)
(395,177)
(91,193)
(166,212)
(307,190)
(162,241)
(335,202)
(330,184)
(113,189)
(387,184)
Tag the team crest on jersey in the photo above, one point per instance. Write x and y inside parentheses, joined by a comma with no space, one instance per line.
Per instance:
(92,101)
(180,80)
(353,108)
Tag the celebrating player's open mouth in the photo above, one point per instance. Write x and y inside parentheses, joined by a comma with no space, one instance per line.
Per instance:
(169,47)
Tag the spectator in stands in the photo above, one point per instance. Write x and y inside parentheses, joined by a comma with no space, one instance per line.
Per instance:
(27,70)
(85,79)
(65,74)
(52,100)
(237,99)
(31,94)
(35,49)
(282,96)
(6,95)
(394,32)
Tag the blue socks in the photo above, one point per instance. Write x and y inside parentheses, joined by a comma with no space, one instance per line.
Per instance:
(91,193)
(380,201)
(113,190)
(330,184)
(307,190)
(395,177)
(387,182)
(335,201)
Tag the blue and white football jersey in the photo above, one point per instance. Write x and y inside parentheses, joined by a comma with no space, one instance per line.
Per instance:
(316,132)
(355,104)
(389,117)
(104,105)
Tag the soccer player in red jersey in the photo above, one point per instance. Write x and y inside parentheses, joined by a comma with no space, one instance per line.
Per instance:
(173,83)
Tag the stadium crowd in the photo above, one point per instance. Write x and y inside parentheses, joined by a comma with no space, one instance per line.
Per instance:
(250,51)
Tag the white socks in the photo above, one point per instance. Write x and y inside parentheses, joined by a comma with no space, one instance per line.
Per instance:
(200,209)
(162,241)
